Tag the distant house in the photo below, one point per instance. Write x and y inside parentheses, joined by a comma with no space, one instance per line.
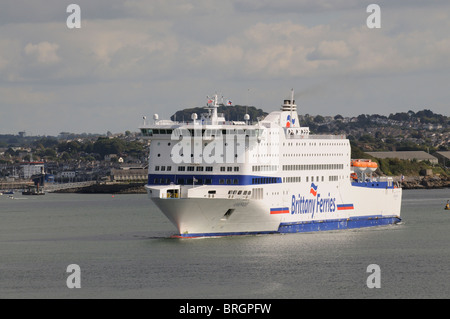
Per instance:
(406,155)
(31,168)
(444,157)
(68,174)
(110,157)
(130,174)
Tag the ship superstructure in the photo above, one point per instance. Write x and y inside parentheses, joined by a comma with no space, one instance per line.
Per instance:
(213,177)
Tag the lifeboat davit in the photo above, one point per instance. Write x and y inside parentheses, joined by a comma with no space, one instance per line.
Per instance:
(364,165)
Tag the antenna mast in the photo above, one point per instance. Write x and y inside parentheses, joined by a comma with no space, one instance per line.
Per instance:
(292,102)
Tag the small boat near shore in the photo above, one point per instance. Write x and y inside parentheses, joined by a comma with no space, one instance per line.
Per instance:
(33,191)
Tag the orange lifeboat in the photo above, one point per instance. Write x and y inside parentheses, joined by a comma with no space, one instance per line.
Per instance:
(364,164)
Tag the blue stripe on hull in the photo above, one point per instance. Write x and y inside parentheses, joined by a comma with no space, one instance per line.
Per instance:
(336,224)
(386,185)
(311,226)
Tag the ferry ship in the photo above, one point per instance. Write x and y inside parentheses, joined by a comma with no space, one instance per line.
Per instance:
(213,177)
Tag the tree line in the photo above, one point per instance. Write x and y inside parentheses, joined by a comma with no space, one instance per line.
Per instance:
(50,148)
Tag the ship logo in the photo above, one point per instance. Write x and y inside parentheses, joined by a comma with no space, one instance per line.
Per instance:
(279,210)
(345,207)
(289,121)
(313,189)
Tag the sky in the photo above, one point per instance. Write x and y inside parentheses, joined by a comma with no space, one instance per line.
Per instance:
(135,58)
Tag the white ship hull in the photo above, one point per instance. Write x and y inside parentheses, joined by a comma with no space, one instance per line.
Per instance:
(330,209)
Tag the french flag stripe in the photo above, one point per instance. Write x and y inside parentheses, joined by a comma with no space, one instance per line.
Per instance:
(345,206)
(280,210)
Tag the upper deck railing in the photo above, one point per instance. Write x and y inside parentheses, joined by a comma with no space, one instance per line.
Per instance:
(318,137)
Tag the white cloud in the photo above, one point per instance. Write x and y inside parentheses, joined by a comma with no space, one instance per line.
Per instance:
(287,48)
(44,52)
(160,8)
(330,50)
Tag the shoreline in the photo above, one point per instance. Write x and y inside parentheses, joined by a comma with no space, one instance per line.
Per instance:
(425,182)
(117,188)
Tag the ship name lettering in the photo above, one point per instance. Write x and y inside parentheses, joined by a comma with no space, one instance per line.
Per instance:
(303,205)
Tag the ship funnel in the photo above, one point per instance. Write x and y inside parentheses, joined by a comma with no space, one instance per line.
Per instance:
(289,105)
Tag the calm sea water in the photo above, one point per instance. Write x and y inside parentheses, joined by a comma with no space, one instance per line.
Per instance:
(122,247)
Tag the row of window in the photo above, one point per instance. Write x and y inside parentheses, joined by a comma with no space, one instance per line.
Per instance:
(315,144)
(150,132)
(195,168)
(235,181)
(208,181)
(312,154)
(164,168)
(255,168)
(310,167)
(297,179)
(236,192)
(229,169)
(183,181)
(292,179)
(196,132)
(184,168)
(228,181)
(264,168)
(264,180)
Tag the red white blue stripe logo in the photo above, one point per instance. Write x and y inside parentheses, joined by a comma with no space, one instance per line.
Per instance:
(280,210)
(345,206)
